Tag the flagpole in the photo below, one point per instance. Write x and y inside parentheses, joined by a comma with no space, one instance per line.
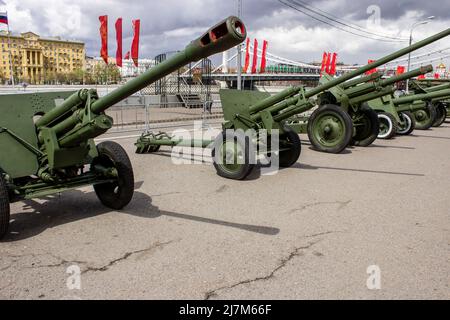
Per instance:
(10,55)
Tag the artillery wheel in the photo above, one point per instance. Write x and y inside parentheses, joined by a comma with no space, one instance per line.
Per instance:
(330,129)
(289,157)
(231,155)
(4,208)
(441,115)
(388,126)
(367,127)
(410,123)
(118,194)
(425,117)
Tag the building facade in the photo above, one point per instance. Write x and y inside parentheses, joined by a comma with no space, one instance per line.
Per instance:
(129,70)
(35,59)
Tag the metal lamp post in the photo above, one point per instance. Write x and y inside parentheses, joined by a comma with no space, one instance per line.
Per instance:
(418,23)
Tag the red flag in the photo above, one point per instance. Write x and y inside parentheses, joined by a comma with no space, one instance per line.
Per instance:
(437,76)
(104,37)
(421,77)
(135,45)
(264,58)
(400,70)
(247,56)
(324,63)
(373,70)
(127,56)
(328,66)
(119,42)
(255,56)
(333,64)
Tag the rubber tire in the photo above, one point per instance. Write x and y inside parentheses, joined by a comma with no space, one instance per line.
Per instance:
(409,118)
(347,124)
(111,153)
(441,115)
(246,168)
(432,112)
(290,157)
(4,208)
(374,129)
(392,125)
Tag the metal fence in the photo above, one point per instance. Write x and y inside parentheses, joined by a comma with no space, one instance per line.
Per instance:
(148,116)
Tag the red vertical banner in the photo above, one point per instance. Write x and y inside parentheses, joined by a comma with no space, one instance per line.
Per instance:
(400,70)
(264,58)
(328,66)
(135,44)
(119,42)
(324,63)
(373,70)
(255,56)
(104,37)
(333,64)
(247,56)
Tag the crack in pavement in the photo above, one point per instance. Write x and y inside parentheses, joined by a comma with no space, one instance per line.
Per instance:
(62,262)
(126,256)
(283,263)
(342,205)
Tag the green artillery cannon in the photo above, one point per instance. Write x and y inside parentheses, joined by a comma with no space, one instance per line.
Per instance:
(439,104)
(391,109)
(47,138)
(353,96)
(330,126)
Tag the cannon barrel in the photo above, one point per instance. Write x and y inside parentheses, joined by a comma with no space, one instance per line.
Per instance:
(225,35)
(407,75)
(378,63)
(373,86)
(372,77)
(437,88)
(418,97)
(299,100)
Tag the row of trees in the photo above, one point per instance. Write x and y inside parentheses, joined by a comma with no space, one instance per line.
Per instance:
(101,74)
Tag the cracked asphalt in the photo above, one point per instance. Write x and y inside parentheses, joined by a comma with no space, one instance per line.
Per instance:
(308,232)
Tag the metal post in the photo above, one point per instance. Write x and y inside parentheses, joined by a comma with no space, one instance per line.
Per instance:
(239,55)
(410,43)
(10,55)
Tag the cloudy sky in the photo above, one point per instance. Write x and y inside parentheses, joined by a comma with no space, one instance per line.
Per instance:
(170,24)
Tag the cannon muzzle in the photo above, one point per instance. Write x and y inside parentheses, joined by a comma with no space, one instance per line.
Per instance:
(223,36)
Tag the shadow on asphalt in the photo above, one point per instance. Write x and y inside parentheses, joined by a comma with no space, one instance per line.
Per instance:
(77,205)
(310,167)
(432,137)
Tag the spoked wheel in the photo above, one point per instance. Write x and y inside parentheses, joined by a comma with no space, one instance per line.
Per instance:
(115,195)
(330,129)
(4,208)
(388,126)
(366,126)
(441,115)
(408,125)
(231,155)
(425,117)
(290,140)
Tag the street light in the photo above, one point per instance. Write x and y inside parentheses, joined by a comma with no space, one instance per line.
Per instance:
(418,23)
